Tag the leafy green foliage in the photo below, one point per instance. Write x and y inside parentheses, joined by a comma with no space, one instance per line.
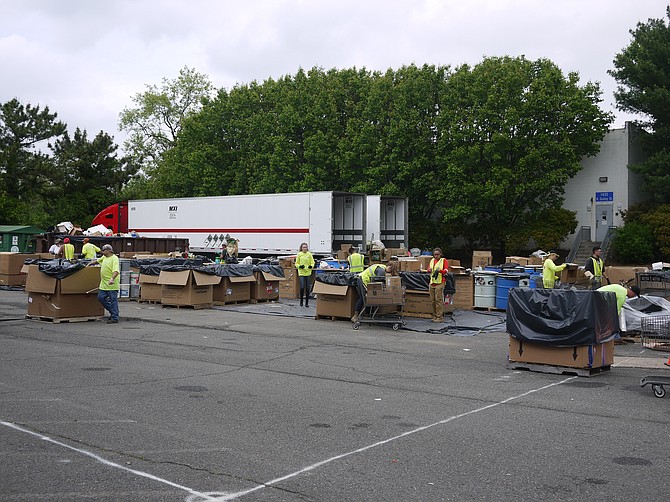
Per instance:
(633,244)
(657,219)
(642,70)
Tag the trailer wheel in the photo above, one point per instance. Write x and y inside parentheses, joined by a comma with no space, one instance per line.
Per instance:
(659,391)
(396,327)
(356,325)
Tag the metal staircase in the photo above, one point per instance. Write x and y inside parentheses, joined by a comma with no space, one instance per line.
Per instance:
(582,248)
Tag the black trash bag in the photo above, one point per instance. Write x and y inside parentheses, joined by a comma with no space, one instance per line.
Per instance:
(275,270)
(60,269)
(562,317)
(420,281)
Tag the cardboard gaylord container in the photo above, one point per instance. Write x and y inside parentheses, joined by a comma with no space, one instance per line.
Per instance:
(335,301)
(464,298)
(481,258)
(289,287)
(186,287)
(233,289)
(581,356)
(266,286)
(150,290)
(73,296)
(11,263)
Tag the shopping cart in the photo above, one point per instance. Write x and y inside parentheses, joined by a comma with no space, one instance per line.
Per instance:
(655,332)
(383,304)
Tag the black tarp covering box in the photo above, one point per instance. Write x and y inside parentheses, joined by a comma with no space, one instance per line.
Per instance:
(561,318)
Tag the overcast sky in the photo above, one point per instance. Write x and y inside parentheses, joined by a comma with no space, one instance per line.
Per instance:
(85,59)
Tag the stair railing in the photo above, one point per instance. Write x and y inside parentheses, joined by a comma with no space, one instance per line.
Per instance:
(584,234)
(607,242)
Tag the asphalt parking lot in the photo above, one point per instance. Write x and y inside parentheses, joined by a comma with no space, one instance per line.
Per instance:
(235,404)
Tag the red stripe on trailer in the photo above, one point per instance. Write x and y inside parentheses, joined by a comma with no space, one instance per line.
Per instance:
(226,230)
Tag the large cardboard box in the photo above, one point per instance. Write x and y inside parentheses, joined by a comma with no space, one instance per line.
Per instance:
(290,286)
(266,286)
(186,287)
(335,301)
(519,260)
(287,262)
(382,294)
(572,275)
(481,258)
(71,297)
(150,290)
(409,264)
(233,289)
(389,253)
(12,279)
(583,356)
(11,263)
(342,255)
(464,298)
(418,302)
(621,275)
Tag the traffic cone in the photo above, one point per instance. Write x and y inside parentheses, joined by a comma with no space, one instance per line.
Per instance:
(668,363)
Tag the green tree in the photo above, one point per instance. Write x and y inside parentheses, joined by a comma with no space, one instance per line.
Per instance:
(90,176)
(642,70)
(156,119)
(511,132)
(26,174)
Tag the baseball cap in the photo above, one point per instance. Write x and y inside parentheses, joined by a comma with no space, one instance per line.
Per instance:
(635,290)
(86,239)
(107,247)
(66,240)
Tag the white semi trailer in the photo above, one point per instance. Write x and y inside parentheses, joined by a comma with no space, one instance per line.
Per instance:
(265,224)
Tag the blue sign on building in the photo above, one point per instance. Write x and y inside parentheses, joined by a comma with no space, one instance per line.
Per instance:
(604,196)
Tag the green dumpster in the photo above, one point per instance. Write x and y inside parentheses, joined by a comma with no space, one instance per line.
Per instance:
(18,239)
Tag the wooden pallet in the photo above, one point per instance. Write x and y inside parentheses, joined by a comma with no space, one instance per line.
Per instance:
(144,300)
(258,300)
(332,318)
(58,320)
(557,370)
(193,307)
(418,315)
(223,304)
(489,309)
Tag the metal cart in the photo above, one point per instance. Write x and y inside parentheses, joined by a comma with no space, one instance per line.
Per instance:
(657,383)
(655,332)
(378,299)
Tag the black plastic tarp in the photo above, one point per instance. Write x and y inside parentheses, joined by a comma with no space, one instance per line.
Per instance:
(275,270)
(233,270)
(60,269)
(153,266)
(420,281)
(560,317)
(337,278)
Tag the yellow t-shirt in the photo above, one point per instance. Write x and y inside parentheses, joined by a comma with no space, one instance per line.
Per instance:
(88,250)
(109,265)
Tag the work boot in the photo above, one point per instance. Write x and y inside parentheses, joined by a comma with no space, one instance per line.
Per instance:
(306,303)
(437,319)
(301,302)
(355,317)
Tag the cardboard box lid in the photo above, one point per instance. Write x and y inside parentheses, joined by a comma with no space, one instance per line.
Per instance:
(39,282)
(202,279)
(244,278)
(481,253)
(329,289)
(271,277)
(148,279)
(86,280)
(174,278)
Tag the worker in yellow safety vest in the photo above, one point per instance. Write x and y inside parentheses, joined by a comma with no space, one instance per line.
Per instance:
(550,269)
(67,249)
(304,262)
(594,268)
(364,279)
(438,268)
(356,261)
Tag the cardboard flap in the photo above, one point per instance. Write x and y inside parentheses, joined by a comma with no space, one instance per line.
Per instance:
(148,279)
(25,268)
(271,277)
(39,282)
(205,279)
(244,278)
(85,280)
(329,289)
(174,278)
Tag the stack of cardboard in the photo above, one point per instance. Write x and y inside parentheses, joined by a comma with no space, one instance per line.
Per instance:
(75,296)
(10,268)
(519,260)
(335,301)
(289,287)
(481,258)
(408,264)
(464,298)
(343,253)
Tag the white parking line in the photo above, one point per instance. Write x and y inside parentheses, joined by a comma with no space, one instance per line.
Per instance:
(233,496)
(98,458)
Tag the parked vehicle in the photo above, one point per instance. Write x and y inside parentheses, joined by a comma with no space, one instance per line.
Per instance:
(265,224)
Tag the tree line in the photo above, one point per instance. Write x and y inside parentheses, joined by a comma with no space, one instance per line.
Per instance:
(482,152)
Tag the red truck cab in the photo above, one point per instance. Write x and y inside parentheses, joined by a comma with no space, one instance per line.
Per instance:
(114,217)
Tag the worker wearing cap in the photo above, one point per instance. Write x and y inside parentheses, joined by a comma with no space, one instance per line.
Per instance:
(55,247)
(621,293)
(438,268)
(550,269)
(89,249)
(108,291)
(67,249)
(364,278)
